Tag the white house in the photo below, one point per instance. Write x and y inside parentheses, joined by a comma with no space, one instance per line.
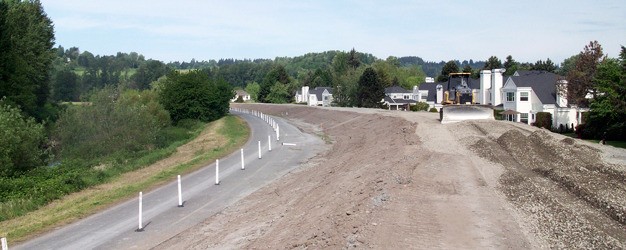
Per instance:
(398,98)
(521,96)
(320,96)
(530,92)
(244,95)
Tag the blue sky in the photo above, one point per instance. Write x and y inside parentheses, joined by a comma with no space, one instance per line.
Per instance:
(434,30)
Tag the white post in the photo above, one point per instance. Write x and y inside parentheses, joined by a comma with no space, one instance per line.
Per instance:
(140,228)
(5,246)
(259,149)
(180,193)
(277,133)
(269,142)
(217,172)
(242,166)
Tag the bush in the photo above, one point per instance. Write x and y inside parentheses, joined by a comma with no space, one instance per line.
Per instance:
(193,95)
(543,120)
(115,122)
(420,106)
(433,110)
(21,142)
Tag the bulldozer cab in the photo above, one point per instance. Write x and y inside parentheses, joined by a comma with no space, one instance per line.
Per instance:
(459,102)
(459,91)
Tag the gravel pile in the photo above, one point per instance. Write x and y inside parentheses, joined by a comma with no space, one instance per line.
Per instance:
(575,199)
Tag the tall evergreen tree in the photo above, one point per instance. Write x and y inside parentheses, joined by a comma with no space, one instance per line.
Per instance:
(449,67)
(493,63)
(353,59)
(27,39)
(510,65)
(370,92)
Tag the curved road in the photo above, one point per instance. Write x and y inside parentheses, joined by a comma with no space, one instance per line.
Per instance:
(163,219)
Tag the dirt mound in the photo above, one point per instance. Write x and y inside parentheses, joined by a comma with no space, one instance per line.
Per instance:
(576,200)
(402,180)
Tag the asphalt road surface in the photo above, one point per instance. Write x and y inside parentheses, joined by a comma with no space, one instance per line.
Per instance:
(162,218)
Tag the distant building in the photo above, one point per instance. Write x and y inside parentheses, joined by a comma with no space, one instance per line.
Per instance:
(398,98)
(320,96)
(521,96)
(244,95)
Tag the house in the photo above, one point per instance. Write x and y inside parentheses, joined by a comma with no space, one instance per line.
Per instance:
(244,95)
(320,96)
(530,92)
(398,98)
(521,96)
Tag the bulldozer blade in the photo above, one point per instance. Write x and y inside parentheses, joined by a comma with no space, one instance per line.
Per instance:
(457,113)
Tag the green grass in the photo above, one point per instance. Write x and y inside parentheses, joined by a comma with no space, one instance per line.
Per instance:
(24,225)
(617,144)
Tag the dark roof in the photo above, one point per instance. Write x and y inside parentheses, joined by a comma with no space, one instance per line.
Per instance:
(432,90)
(318,91)
(398,101)
(396,89)
(543,83)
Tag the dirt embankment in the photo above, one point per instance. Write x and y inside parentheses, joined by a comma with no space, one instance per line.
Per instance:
(402,180)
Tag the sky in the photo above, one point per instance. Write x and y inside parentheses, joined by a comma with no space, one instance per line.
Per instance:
(433,30)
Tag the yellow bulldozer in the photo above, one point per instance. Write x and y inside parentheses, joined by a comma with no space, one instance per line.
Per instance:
(460,102)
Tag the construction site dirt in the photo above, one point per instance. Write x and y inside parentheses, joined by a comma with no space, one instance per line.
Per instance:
(398,180)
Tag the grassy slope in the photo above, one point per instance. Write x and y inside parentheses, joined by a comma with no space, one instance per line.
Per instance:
(232,131)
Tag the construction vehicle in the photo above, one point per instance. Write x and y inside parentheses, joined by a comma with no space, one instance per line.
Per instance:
(459,101)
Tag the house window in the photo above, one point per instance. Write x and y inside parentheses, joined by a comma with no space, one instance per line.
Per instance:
(424,96)
(523,118)
(406,97)
(523,96)
(510,96)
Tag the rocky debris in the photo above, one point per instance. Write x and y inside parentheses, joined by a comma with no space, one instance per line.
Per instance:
(574,199)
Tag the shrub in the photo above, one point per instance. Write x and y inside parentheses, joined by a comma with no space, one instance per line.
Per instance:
(193,95)
(21,142)
(433,110)
(420,106)
(543,120)
(115,122)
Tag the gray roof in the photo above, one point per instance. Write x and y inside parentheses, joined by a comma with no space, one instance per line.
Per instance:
(318,91)
(396,89)
(398,101)
(432,89)
(543,83)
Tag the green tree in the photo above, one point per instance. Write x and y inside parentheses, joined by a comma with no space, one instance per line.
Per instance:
(450,67)
(510,65)
(492,63)
(193,95)
(353,59)
(581,77)
(278,94)
(370,91)
(547,65)
(608,110)
(567,65)
(27,39)
(115,122)
(21,142)
(277,74)
(65,86)
(253,89)
(148,72)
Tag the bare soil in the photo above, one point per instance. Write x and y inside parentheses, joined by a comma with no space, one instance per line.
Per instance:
(397,180)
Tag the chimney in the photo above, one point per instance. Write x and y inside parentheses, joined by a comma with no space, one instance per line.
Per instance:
(485,85)
(561,93)
(496,86)
(439,94)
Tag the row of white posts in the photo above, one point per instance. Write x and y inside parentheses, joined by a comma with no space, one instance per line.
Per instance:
(270,121)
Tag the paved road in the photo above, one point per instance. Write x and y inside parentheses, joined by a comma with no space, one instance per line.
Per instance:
(115,227)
